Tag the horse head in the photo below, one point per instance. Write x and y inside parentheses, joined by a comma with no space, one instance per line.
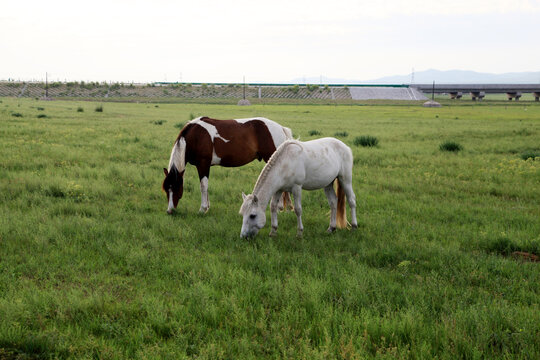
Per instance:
(254,215)
(173,185)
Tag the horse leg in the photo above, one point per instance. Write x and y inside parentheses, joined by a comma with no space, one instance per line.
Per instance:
(351,199)
(274,206)
(297,194)
(332,201)
(204,172)
(281,203)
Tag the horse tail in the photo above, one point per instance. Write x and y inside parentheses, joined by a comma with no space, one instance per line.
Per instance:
(341,218)
(287,203)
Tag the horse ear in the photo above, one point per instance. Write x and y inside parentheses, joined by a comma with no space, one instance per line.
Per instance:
(165,171)
(255,199)
(244,196)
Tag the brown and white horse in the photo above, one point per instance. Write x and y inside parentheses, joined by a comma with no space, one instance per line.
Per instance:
(204,142)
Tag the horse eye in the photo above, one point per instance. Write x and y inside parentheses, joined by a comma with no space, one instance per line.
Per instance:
(252,216)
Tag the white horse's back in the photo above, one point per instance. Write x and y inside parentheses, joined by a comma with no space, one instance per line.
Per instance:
(316,163)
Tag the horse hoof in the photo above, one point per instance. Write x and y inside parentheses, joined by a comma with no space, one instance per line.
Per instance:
(331,229)
(354,227)
(299,234)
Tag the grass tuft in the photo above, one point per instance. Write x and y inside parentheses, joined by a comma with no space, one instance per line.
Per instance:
(341,134)
(366,141)
(80,109)
(451,146)
(531,154)
(314,132)
(99,108)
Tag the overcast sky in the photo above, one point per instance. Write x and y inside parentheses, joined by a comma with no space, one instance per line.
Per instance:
(269,41)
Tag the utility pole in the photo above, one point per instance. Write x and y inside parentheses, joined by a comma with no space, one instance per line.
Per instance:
(244,87)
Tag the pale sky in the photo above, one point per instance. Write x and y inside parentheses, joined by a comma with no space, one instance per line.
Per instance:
(265,41)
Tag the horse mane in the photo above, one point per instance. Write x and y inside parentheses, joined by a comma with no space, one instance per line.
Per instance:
(275,158)
(178,153)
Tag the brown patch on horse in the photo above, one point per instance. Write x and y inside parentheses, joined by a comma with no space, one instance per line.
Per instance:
(251,139)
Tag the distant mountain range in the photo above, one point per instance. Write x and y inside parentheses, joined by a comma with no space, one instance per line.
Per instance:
(441,77)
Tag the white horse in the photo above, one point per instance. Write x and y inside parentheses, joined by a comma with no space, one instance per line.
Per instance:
(297,165)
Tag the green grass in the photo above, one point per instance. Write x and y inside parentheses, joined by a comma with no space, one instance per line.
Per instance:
(91,266)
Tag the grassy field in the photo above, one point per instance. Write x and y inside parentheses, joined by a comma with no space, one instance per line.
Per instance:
(91,266)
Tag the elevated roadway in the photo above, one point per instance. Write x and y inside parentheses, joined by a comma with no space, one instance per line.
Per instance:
(479,91)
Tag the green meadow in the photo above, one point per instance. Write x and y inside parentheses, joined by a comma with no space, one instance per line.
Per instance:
(441,266)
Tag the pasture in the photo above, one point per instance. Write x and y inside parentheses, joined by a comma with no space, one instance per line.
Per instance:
(91,266)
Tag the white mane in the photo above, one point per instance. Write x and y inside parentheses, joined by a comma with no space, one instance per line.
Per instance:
(178,155)
(274,160)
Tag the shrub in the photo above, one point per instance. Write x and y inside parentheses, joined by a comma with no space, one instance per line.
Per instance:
(366,141)
(450,146)
(314,132)
(80,109)
(99,108)
(341,134)
(530,155)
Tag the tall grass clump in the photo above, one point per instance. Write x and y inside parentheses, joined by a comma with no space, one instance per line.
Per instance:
(366,141)
(530,155)
(314,132)
(80,109)
(341,134)
(450,146)
(99,108)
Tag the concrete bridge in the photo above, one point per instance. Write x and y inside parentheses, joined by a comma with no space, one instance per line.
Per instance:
(479,91)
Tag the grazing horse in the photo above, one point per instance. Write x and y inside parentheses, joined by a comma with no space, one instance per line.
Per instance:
(300,165)
(204,142)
